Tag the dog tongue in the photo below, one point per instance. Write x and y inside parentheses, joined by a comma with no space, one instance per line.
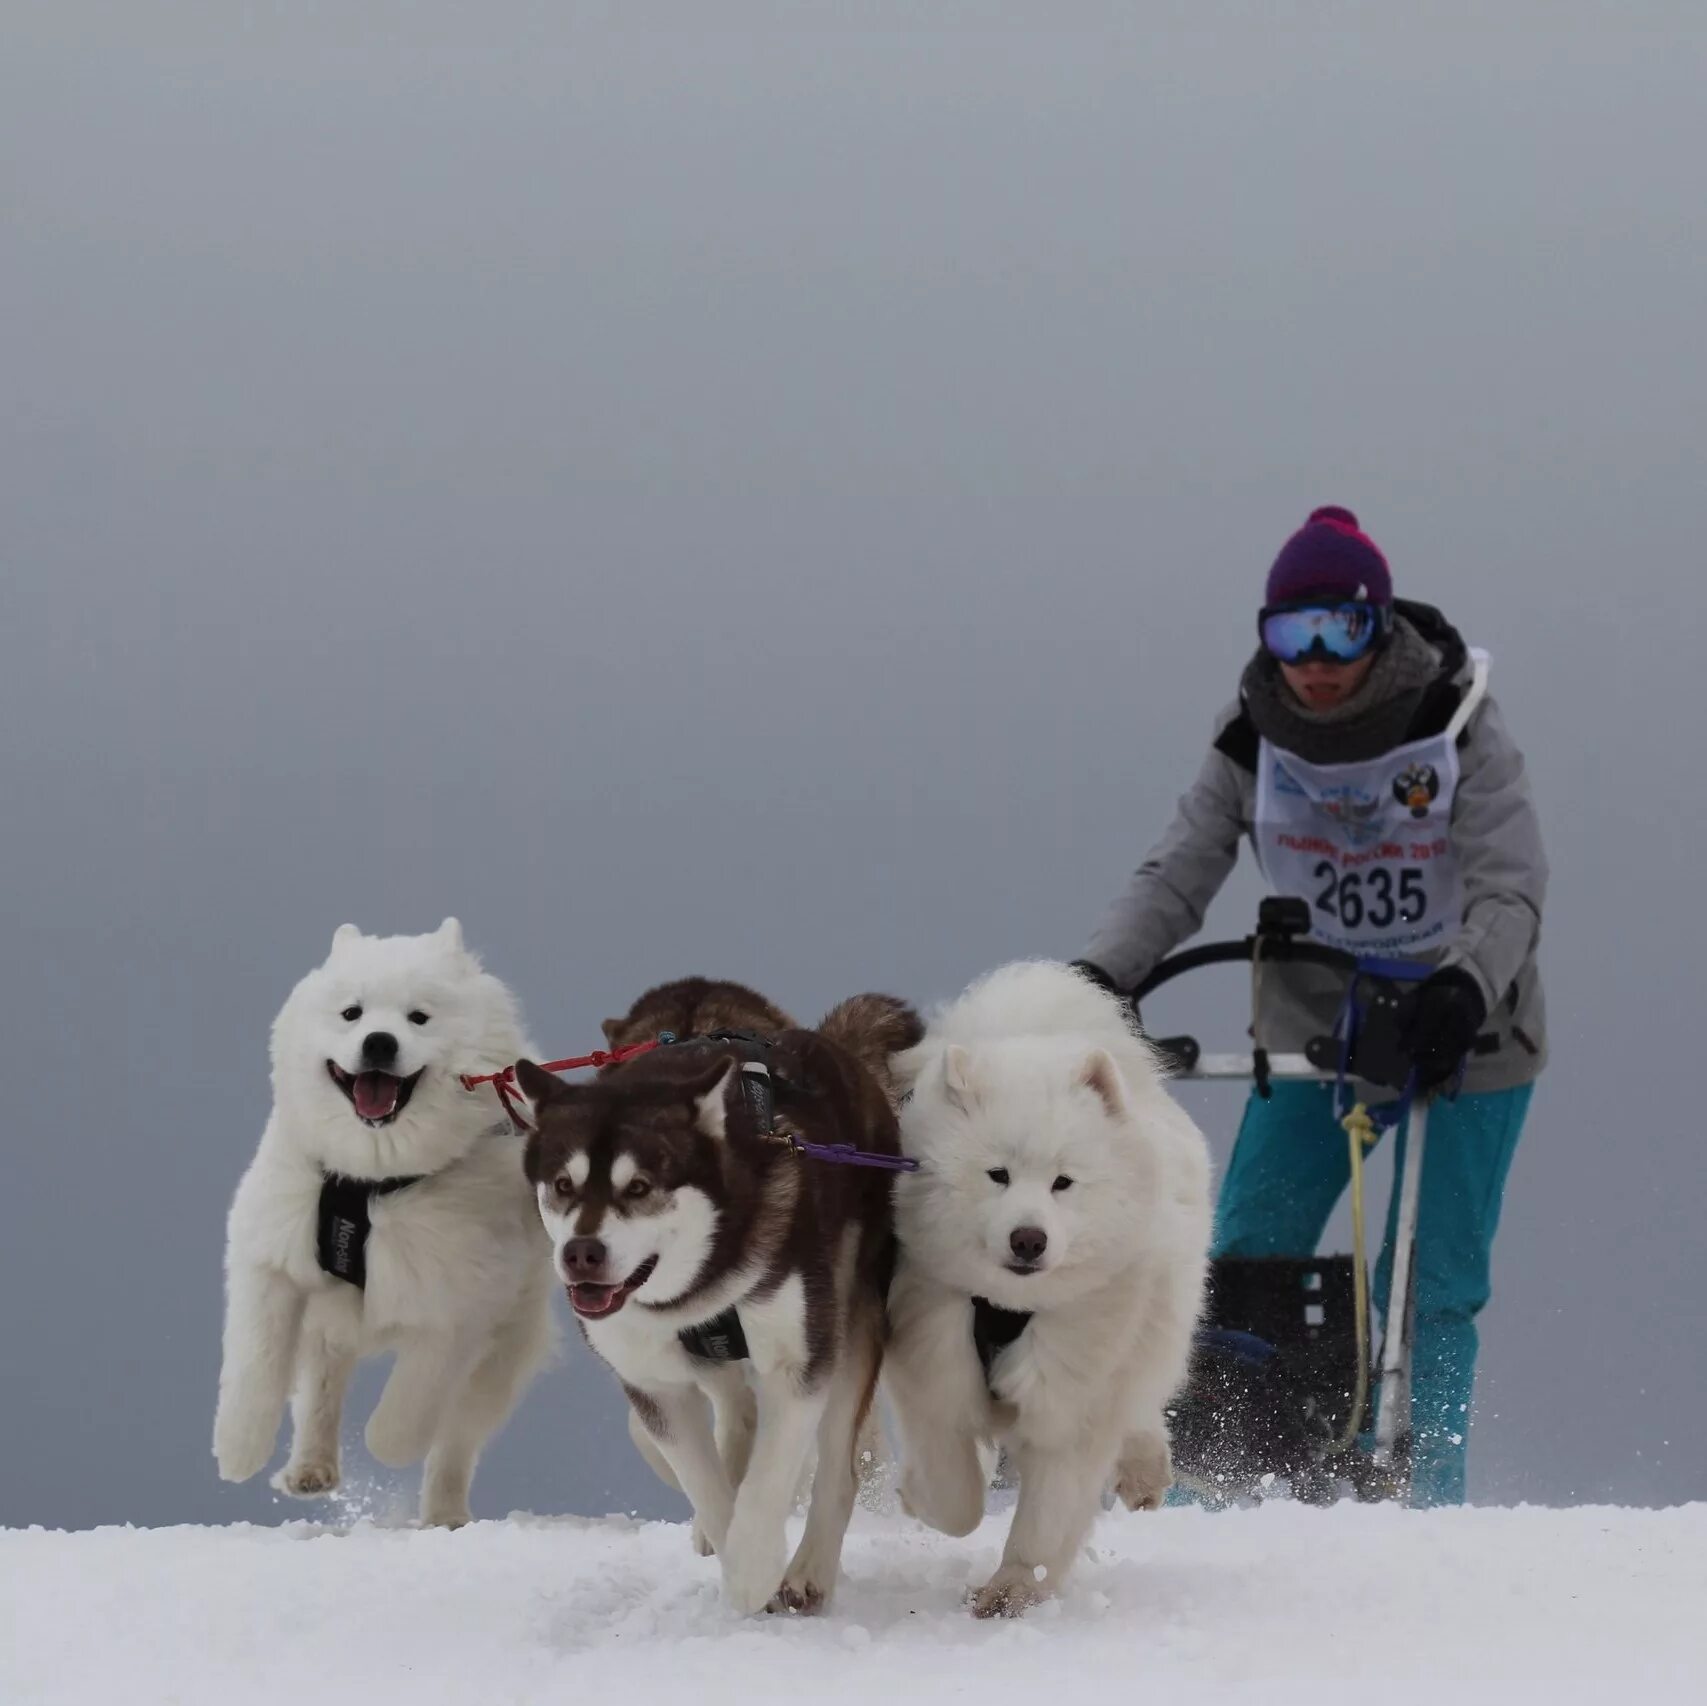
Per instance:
(375,1095)
(596,1299)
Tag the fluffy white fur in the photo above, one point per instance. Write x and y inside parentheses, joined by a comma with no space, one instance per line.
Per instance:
(1035,1073)
(458,1280)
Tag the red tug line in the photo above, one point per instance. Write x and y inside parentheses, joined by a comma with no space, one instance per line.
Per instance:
(505,1082)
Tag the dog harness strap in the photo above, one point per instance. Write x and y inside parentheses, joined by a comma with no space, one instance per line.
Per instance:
(761,1098)
(504,1082)
(721,1339)
(994,1329)
(345,1221)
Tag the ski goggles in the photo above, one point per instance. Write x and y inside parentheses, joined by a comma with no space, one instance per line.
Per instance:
(1322,633)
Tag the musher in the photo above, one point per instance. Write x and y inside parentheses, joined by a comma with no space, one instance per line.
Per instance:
(1337,764)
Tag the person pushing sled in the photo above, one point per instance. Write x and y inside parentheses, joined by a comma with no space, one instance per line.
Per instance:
(1374,777)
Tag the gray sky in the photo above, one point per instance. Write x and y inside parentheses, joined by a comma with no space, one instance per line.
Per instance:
(788,505)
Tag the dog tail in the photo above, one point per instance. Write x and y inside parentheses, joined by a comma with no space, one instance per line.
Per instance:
(872,1028)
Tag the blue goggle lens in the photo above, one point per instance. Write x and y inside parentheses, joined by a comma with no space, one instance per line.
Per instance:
(1332,633)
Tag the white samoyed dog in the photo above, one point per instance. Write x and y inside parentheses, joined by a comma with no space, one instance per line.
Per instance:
(1053,1249)
(385,1210)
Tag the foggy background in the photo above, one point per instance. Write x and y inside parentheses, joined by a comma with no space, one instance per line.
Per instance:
(787,503)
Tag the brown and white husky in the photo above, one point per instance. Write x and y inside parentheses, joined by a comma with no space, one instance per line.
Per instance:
(693,1239)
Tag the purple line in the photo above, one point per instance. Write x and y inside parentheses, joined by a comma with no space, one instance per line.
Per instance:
(846,1155)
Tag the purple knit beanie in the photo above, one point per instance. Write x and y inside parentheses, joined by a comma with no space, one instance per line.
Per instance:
(1329,556)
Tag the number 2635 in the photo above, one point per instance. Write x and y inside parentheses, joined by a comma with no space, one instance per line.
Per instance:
(1378,897)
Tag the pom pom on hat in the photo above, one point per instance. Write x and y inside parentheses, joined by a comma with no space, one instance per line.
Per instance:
(1330,556)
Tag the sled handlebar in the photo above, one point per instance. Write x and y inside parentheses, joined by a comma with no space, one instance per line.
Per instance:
(1278,940)
(1277,950)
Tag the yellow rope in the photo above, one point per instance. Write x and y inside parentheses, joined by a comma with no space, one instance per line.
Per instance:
(1360,1135)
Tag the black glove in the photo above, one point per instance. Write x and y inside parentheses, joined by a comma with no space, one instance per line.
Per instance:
(1103,981)
(1445,1017)
(1096,974)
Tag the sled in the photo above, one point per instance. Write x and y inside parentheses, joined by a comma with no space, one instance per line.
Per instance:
(1283,1392)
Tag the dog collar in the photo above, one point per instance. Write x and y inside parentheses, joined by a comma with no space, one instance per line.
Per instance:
(345,1221)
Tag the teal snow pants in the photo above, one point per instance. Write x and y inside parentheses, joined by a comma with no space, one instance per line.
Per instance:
(1288,1169)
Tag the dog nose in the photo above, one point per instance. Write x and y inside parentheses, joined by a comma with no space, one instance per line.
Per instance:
(1028,1242)
(584,1258)
(379,1049)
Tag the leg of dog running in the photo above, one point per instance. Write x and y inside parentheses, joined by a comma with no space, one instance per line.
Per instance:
(811,1577)
(648,1449)
(1156,1370)
(678,1419)
(263,1321)
(731,1395)
(518,1351)
(325,1360)
(755,1553)
(1060,1493)
(1146,1467)
(736,1412)
(429,1371)
(940,1403)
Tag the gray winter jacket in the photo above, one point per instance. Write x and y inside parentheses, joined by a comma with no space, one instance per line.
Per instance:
(1496,835)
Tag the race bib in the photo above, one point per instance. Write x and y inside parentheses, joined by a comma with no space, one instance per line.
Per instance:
(1368,845)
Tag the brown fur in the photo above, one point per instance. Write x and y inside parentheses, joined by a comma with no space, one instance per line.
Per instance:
(787,1210)
(692,1006)
(781,1216)
(872,1028)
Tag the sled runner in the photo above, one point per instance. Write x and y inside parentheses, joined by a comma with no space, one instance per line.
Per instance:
(1283,1387)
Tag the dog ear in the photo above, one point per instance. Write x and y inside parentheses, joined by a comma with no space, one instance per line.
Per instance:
(957,1077)
(539,1086)
(1101,1073)
(711,1098)
(450,933)
(345,933)
(613,1028)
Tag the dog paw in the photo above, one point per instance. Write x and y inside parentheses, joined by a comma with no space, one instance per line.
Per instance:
(1143,1475)
(801,1599)
(243,1443)
(1139,1494)
(396,1441)
(956,1513)
(1010,1592)
(307,1480)
(809,1581)
(751,1574)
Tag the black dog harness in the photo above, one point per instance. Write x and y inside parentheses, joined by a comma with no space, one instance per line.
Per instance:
(721,1339)
(345,1221)
(993,1330)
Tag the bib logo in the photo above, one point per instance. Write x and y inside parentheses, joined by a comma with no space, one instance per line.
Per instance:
(1416,788)
(1353,810)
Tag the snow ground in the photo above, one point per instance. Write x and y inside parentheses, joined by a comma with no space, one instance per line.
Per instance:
(1278,1604)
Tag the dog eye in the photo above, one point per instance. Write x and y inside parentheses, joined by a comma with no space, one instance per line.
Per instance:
(418,1017)
(350,1015)
(562,1186)
(1062,1183)
(997,1175)
(638,1188)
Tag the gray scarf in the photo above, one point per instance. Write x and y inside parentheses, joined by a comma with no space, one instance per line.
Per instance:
(1374,720)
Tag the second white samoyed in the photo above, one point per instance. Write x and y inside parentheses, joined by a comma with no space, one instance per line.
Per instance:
(1053,1250)
(386,1209)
